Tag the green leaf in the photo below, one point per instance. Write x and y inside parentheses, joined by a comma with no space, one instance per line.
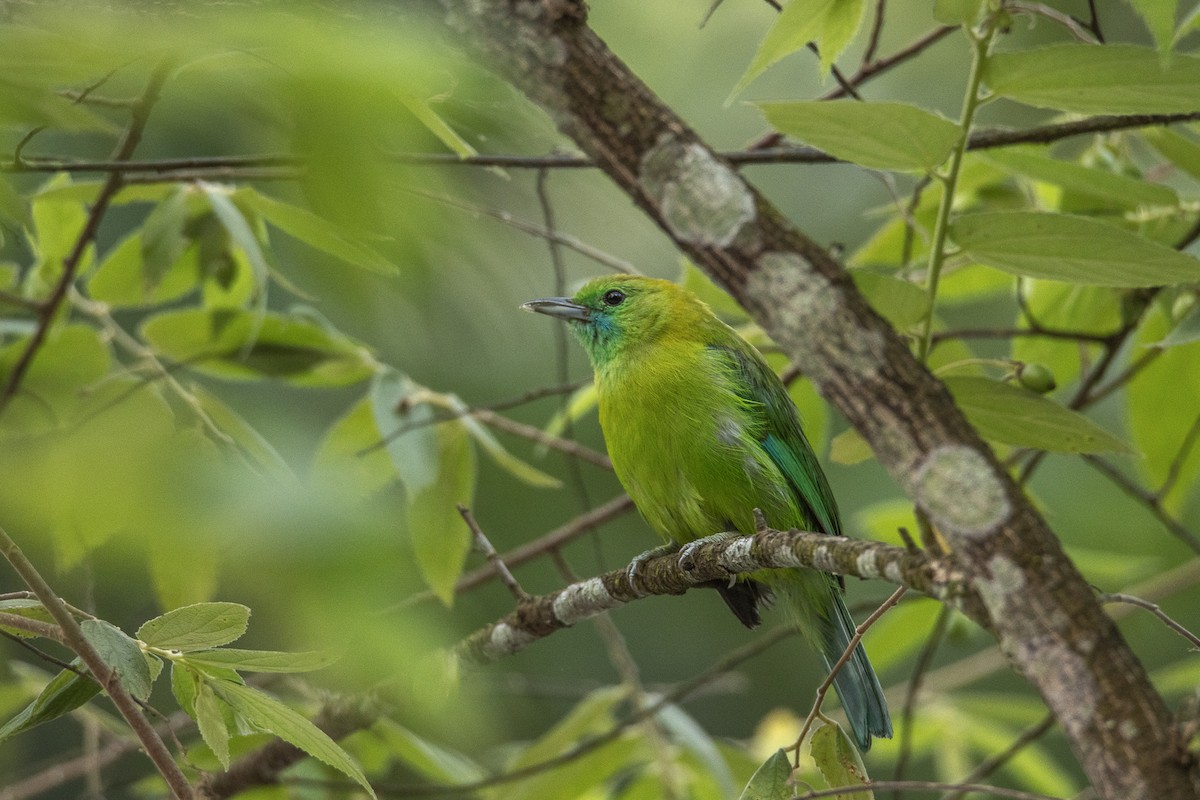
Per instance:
(839,761)
(350,454)
(1016,416)
(801,22)
(184,685)
(272,716)
(252,443)
(699,284)
(1179,150)
(262,660)
(684,730)
(196,627)
(891,136)
(430,760)
(436,465)
(437,126)
(1186,331)
(1159,414)
(65,692)
(902,302)
(1087,79)
(243,345)
(1159,16)
(771,780)
(315,231)
(841,24)
(122,655)
(1121,190)
(14,208)
(121,278)
(848,447)
(162,239)
(28,608)
(956,12)
(240,232)
(211,722)
(519,469)
(1069,248)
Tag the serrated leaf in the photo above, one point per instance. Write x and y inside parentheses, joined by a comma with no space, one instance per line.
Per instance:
(262,660)
(211,722)
(1068,248)
(246,345)
(771,781)
(121,654)
(1121,190)
(65,692)
(1107,79)
(196,627)
(800,22)
(436,465)
(184,685)
(1016,416)
(891,136)
(315,231)
(839,761)
(272,716)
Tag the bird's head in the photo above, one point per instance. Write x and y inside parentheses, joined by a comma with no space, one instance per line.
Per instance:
(616,312)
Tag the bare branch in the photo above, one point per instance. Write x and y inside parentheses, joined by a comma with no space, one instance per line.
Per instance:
(539,616)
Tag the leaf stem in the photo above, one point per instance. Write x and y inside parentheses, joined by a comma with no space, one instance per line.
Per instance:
(981,43)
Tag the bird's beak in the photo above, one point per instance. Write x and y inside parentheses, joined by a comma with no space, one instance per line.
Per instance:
(561,307)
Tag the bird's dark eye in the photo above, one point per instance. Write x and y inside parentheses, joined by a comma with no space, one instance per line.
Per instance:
(614,297)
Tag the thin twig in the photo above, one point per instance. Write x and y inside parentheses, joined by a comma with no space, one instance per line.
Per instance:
(37,627)
(993,763)
(1147,498)
(1185,449)
(823,689)
(925,786)
(1157,611)
(493,558)
(907,714)
(139,116)
(74,638)
(572,448)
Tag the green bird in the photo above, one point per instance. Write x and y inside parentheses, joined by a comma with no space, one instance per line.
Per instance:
(701,432)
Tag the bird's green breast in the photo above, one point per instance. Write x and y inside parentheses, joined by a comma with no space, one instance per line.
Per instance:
(687,446)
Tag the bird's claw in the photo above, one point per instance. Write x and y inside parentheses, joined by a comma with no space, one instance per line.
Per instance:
(635,566)
(687,553)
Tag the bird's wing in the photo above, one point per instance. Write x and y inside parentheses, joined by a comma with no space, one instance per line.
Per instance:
(784,439)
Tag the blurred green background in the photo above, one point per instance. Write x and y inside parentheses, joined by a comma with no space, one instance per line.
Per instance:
(123,526)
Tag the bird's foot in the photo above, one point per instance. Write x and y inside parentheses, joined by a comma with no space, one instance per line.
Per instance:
(687,553)
(639,561)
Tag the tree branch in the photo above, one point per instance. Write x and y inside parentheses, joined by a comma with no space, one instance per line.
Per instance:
(1032,598)
(715,562)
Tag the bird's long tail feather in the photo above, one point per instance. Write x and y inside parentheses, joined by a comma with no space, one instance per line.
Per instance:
(856,683)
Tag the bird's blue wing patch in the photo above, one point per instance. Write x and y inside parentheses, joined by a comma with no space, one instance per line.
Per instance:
(784,439)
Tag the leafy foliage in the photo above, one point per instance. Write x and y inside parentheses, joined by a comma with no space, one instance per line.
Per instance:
(157,415)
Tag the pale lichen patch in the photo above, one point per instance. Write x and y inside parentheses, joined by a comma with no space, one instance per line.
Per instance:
(809,318)
(1063,678)
(866,565)
(958,489)
(583,600)
(1006,580)
(506,640)
(701,199)
(737,558)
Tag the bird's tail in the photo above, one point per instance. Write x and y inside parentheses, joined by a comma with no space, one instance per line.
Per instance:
(816,599)
(856,683)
